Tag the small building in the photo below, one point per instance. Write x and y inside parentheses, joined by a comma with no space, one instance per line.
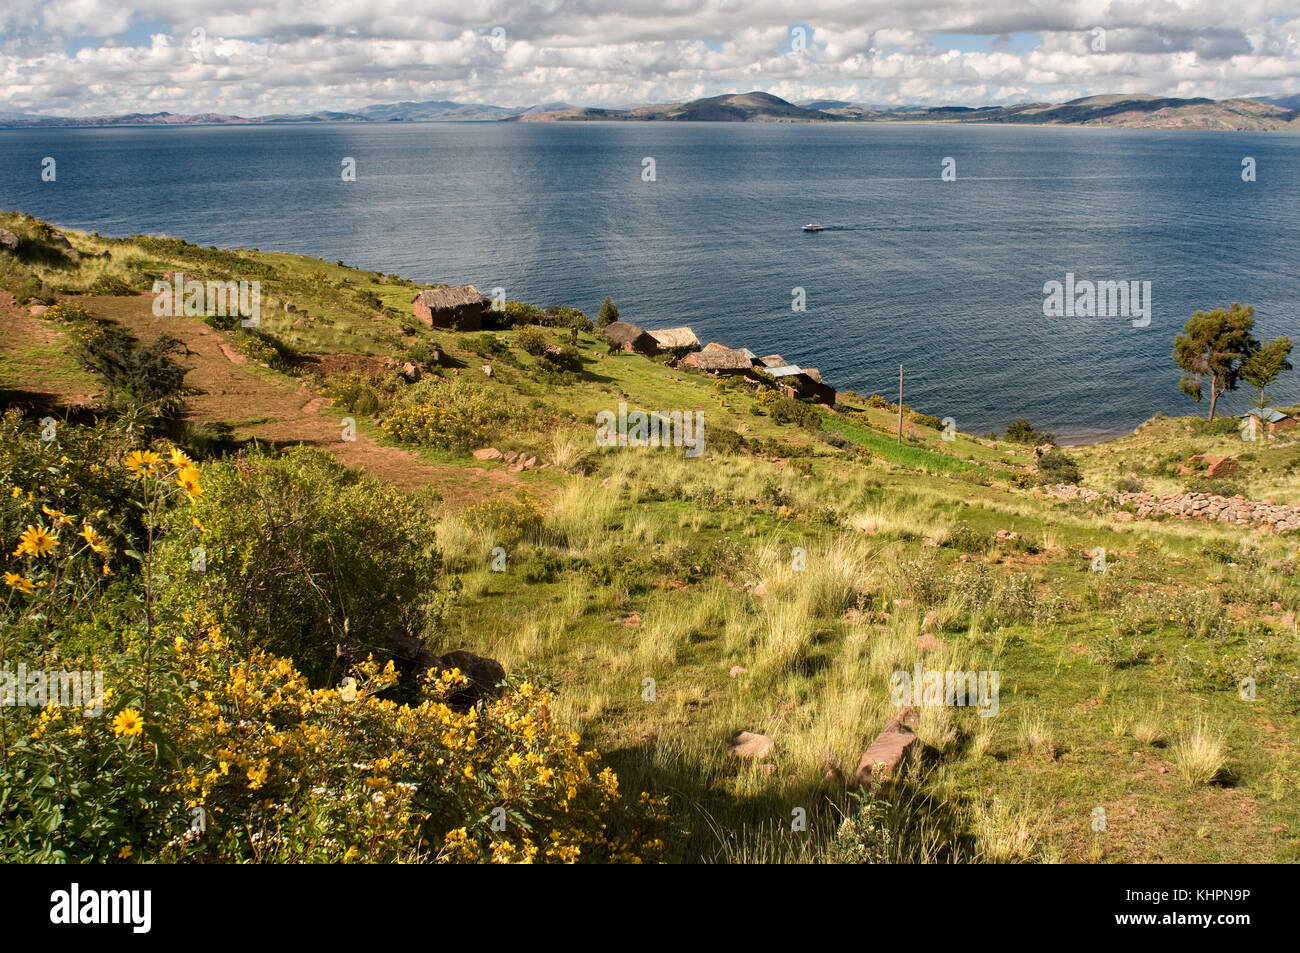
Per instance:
(456,307)
(797,382)
(680,340)
(1270,420)
(629,337)
(773,360)
(718,359)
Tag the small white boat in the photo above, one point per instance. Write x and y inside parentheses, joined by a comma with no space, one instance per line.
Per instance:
(813,227)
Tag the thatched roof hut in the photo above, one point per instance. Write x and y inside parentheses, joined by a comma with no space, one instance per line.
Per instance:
(675,339)
(459,307)
(630,338)
(773,360)
(718,359)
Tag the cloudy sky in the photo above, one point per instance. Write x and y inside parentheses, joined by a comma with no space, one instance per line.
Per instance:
(254,57)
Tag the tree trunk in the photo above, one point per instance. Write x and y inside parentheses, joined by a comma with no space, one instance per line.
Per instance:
(1214,393)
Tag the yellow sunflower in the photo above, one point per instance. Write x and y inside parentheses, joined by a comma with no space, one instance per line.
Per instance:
(179,460)
(143,463)
(21,583)
(60,518)
(188,480)
(93,539)
(128,722)
(36,541)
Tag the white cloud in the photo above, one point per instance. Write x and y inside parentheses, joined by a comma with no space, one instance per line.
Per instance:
(301,55)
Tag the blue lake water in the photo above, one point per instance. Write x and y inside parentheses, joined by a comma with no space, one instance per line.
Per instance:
(944,277)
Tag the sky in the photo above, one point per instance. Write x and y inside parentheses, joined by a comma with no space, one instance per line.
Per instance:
(254,57)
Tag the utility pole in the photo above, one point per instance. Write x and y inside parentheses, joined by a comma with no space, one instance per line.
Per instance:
(900,403)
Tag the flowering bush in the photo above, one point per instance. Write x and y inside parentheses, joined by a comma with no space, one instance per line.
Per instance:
(204,747)
(454,415)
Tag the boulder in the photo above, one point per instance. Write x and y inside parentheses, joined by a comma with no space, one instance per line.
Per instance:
(487,369)
(58,238)
(1223,466)
(485,677)
(8,240)
(883,758)
(737,670)
(747,744)
(928,643)
(487,453)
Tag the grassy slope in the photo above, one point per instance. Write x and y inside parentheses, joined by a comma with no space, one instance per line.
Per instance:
(1079,726)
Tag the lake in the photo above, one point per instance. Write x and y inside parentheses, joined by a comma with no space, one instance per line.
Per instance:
(945,277)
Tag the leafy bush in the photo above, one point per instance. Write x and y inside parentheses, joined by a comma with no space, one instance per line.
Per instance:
(307,559)
(1058,467)
(1021,430)
(134,374)
(531,339)
(457,415)
(966,539)
(506,519)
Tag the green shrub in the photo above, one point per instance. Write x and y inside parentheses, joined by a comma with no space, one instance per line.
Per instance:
(505,520)
(308,559)
(1021,430)
(455,415)
(531,339)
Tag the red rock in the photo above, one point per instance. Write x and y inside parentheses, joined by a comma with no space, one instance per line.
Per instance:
(884,756)
(487,453)
(747,744)
(928,643)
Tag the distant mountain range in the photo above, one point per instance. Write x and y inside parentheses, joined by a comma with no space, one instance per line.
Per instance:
(1122,110)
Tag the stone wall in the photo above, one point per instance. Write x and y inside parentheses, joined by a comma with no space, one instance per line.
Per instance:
(1235,510)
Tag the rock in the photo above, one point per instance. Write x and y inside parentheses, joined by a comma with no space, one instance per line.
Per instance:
(530,463)
(737,670)
(233,356)
(760,590)
(8,240)
(487,369)
(485,677)
(487,453)
(1223,466)
(1005,535)
(747,744)
(290,306)
(410,371)
(58,238)
(928,643)
(882,760)
(633,620)
(38,309)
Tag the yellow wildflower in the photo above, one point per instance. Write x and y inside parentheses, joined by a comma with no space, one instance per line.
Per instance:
(36,540)
(21,583)
(188,480)
(125,852)
(59,517)
(128,722)
(143,463)
(93,539)
(179,460)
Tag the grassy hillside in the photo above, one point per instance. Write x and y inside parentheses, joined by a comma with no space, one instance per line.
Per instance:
(774,584)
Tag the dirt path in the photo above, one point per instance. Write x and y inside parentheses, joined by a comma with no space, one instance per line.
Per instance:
(258,403)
